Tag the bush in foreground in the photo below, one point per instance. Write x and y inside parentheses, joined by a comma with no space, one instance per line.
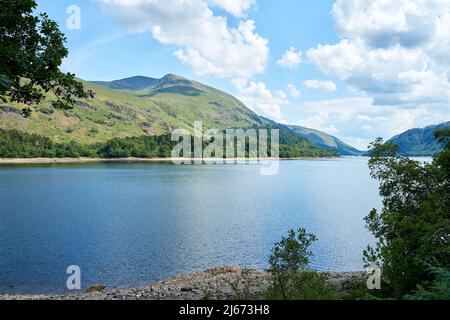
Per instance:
(288,268)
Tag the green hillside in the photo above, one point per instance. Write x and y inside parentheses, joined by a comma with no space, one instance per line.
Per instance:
(136,107)
(131,108)
(326,141)
(419,142)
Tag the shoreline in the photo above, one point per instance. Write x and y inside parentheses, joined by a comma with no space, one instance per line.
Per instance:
(211,284)
(143,160)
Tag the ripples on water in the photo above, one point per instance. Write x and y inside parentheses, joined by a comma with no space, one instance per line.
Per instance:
(129,224)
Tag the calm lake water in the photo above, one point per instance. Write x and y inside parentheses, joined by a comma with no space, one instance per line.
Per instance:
(129,224)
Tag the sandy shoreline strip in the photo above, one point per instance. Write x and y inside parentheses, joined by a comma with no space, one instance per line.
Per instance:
(150,160)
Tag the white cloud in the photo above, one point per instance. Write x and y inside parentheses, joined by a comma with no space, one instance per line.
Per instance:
(358,121)
(293,91)
(237,8)
(205,41)
(281,95)
(397,52)
(381,23)
(322,85)
(291,59)
(260,99)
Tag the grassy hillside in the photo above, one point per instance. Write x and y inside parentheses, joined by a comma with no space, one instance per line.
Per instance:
(120,110)
(419,142)
(124,112)
(326,141)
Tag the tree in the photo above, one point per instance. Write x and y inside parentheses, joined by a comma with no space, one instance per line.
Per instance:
(288,267)
(413,228)
(31,52)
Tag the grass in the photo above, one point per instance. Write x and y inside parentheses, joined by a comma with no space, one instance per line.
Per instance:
(123,113)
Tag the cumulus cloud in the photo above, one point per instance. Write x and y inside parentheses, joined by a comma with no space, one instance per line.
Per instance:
(291,59)
(322,85)
(260,99)
(205,41)
(293,91)
(398,52)
(358,121)
(237,8)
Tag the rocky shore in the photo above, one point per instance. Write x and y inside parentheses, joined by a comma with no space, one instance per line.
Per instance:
(214,284)
(23,161)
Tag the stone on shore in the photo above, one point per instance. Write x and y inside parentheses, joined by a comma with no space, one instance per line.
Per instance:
(96,288)
(213,284)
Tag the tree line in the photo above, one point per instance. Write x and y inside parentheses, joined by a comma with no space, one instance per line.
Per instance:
(17,144)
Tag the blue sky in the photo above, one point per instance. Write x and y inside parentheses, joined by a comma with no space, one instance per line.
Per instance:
(354,69)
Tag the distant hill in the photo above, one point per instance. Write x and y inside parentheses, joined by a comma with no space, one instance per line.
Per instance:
(326,141)
(133,83)
(419,142)
(141,83)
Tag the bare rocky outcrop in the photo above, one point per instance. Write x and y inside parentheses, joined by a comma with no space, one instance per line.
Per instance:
(214,284)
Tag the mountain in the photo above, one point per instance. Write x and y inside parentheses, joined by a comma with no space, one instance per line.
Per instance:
(133,107)
(326,141)
(133,83)
(138,106)
(419,142)
(141,83)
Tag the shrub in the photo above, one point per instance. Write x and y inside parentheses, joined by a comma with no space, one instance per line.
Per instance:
(290,278)
(439,289)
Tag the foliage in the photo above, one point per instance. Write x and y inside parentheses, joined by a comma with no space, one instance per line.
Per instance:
(413,228)
(439,289)
(138,147)
(290,278)
(31,52)
(207,295)
(359,291)
(304,285)
(16,144)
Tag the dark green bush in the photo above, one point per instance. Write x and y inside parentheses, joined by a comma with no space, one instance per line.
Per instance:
(439,289)
(288,268)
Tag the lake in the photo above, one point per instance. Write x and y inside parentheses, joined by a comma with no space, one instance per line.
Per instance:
(130,224)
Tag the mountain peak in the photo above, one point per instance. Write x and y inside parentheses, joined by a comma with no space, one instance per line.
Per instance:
(172,77)
(137,83)
(131,83)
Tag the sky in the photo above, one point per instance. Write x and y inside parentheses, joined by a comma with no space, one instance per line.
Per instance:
(355,69)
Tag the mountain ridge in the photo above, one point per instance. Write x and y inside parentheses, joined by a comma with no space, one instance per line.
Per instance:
(327,141)
(137,83)
(419,141)
(136,106)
